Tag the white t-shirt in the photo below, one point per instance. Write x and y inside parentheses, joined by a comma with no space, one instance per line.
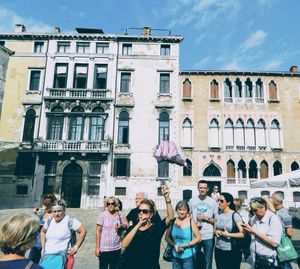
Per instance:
(58,234)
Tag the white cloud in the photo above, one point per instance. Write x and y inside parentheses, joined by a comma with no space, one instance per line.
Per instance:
(202,63)
(273,65)
(254,40)
(199,39)
(9,18)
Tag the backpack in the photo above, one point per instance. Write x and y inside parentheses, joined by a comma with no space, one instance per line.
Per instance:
(73,239)
(242,244)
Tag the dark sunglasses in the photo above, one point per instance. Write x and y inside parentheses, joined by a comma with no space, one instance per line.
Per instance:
(222,201)
(58,203)
(113,203)
(144,211)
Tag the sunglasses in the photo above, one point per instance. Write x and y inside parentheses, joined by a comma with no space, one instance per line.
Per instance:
(222,201)
(144,211)
(108,204)
(58,203)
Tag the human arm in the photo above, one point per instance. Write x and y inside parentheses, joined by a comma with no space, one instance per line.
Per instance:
(98,239)
(197,236)
(270,205)
(289,231)
(43,237)
(81,236)
(170,210)
(129,237)
(169,239)
(239,234)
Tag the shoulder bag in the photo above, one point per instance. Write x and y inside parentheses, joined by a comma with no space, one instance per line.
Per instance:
(168,255)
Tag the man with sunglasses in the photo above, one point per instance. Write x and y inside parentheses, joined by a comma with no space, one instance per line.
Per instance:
(133,215)
(204,209)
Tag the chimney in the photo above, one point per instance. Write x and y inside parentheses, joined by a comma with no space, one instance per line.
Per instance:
(146,31)
(57,29)
(20,28)
(294,69)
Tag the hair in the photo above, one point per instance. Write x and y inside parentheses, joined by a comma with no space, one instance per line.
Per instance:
(238,203)
(278,196)
(258,202)
(18,233)
(229,199)
(183,204)
(142,194)
(59,203)
(116,201)
(151,205)
(202,181)
(48,199)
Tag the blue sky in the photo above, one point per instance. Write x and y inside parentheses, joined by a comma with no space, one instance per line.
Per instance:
(218,34)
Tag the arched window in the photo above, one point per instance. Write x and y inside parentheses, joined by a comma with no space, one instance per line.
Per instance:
(239,135)
(227,88)
(187,89)
(296,196)
(211,171)
(249,88)
(55,124)
(243,195)
(242,173)
(238,89)
(188,168)
(273,94)
(29,123)
(123,128)
(294,166)
(76,124)
(230,169)
(164,127)
(97,123)
(250,135)
(281,192)
(267,193)
(259,89)
(252,169)
(277,168)
(228,134)
(213,134)
(275,135)
(264,169)
(214,90)
(187,133)
(261,134)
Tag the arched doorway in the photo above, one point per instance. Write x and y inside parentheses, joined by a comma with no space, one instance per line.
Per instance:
(71,185)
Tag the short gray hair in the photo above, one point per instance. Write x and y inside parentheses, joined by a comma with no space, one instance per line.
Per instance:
(278,196)
(18,233)
(142,194)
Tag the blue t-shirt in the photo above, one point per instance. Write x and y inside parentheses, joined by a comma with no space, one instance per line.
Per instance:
(182,236)
(17,264)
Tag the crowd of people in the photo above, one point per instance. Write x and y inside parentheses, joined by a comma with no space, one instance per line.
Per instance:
(205,227)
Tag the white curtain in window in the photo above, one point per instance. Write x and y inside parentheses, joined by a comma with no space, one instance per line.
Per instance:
(250,134)
(101,70)
(239,134)
(81,69)
(187,133)
(275,137)
(61,69)
(228,133)
(213,134)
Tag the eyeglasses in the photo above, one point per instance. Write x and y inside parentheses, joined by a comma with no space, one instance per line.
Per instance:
(144,211)
(222,201)
(216,188)
(113,203)
(256,209)
(58,202)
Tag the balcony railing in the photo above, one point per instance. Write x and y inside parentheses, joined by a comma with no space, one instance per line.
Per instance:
(246,148)
(55,93)
(244,100)
(239,181)
(73,146)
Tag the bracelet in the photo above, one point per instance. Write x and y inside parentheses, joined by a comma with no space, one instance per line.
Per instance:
(168,201)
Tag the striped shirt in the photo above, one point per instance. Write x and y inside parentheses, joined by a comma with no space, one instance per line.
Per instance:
(110,240)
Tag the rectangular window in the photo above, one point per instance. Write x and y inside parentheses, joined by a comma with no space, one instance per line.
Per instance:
(63,47)
(122,167)
(34,84)
(25,164)
(61,76)
(55,127)
(22,189)
(95,168)
(94,179)
(2,42)
(127,49)
(120,191)
(50,168)
(81,76)
(102,48)
(38,47)
(83,47)
(164,83)
(163,169)
(165,50)
(100,79)
(125,82)
(49,184)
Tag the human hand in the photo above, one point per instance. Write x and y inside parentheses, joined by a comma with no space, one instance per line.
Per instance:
(218,233)
(73,250)
(225,233)
(97,252)
(165,191)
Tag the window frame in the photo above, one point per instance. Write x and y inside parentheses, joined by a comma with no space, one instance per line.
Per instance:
(29,83)
(122,171)
(104,48)
(65,45)
(165,50)
(125,84)
(164,84)
(98,80)
(86,46)
(79,76)
(127,49)
(57,76)
(38,47)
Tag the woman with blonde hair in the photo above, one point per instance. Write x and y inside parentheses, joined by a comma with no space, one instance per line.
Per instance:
(17,234)
(109,229)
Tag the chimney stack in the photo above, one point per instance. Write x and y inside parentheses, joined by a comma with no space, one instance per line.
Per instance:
(20,28)
(57,29)
(146,31)
(294,69)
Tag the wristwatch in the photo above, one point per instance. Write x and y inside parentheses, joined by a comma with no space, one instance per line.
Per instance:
(168,201)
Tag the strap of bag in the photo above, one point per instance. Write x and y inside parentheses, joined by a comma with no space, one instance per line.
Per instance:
(29,265)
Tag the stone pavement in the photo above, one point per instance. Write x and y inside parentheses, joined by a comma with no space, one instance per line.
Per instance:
(86,258)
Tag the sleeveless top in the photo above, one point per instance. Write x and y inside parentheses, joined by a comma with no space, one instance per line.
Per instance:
(182,236)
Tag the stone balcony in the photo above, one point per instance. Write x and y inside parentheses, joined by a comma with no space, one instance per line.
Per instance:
(78,94)
(73,146)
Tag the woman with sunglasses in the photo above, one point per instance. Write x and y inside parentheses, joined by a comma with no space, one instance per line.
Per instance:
(228,227)
(183,235)
(142,241)
(267,230)
(56,232)
(109,228)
